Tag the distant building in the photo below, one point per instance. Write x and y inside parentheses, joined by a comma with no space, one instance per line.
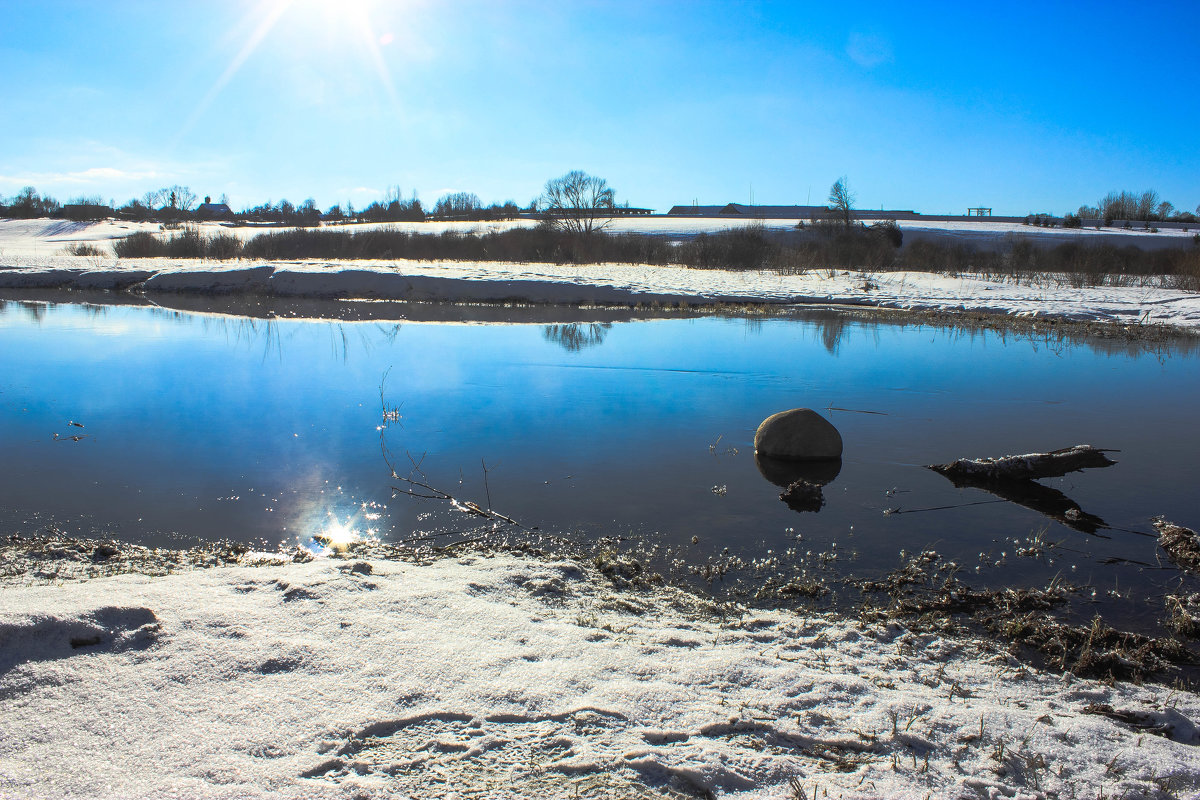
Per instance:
(211,210)
(86,212)
(779,212)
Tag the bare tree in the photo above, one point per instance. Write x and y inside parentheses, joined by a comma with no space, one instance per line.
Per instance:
(577,203)
(185,198)
(458,204)
(155,199)
(1129,206)
(841,200)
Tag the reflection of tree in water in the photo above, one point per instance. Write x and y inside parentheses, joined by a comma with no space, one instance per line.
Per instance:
(575,336)
(36,311)
(832,329)
(344,339)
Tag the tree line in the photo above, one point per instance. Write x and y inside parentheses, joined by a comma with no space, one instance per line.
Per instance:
(1145,206)
(173,204)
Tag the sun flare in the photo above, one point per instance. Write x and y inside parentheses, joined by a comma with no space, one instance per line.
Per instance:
(313,30)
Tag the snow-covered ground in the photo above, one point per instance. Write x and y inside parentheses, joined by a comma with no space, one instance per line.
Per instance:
(613,283)
(504,676)
(46,237)
(31,255)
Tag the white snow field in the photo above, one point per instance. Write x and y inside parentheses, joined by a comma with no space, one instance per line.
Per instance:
(483,281)
(31,256)
(507,677)
(45,237)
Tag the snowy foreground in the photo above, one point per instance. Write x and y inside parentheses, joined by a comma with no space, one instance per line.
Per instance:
(504,676)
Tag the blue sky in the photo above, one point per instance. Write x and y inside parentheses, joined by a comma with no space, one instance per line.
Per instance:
(933,106)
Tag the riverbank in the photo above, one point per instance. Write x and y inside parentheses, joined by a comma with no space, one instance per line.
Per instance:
(509,675)
(1048,297)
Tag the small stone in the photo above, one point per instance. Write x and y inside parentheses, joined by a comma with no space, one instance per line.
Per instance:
(799,434)
(103,552)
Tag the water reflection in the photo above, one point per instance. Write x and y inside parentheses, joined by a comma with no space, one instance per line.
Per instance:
(1036,497)
(185,415)
(802,481)
(784,473)
(832,330)
(572,328)
(575,336)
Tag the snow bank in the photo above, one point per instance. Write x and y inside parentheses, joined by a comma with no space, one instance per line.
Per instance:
(612,283)
(510,677)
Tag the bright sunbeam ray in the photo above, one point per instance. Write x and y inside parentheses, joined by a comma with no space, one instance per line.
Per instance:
(363,24)
(274,10)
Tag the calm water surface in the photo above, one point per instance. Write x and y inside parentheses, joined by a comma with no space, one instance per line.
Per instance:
(200,427)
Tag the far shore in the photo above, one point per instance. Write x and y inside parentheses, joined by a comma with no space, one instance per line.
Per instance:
(1132,311)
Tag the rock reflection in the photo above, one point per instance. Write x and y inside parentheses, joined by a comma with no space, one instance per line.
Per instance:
(801,480)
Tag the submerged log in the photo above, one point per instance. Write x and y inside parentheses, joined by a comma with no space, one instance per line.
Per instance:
(1031,466)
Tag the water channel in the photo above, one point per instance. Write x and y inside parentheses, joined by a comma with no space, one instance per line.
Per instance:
(168,427)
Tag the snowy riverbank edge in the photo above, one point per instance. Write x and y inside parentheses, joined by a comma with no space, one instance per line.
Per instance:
(615,284)
(510,676)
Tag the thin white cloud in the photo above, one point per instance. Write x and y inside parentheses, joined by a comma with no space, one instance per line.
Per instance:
(869,50)
(90,176)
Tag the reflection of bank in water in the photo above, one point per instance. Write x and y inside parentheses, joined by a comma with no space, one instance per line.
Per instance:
(801,481)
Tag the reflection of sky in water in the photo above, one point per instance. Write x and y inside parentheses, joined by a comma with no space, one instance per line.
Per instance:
(260,430)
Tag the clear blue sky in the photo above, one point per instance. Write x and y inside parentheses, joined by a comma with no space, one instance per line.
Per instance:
(931,106)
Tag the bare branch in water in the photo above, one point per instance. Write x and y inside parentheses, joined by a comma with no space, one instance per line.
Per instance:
(423,490)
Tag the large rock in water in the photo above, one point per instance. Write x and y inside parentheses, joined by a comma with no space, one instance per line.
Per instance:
(800,434)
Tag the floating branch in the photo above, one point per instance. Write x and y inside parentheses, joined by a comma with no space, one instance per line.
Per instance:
(423,490)
(1032,466)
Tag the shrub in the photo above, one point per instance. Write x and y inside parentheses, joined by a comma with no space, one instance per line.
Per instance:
(83,249)
(142,244)
(223,246)
(1072,221)
(890,230)
(188,244)
(736,248)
